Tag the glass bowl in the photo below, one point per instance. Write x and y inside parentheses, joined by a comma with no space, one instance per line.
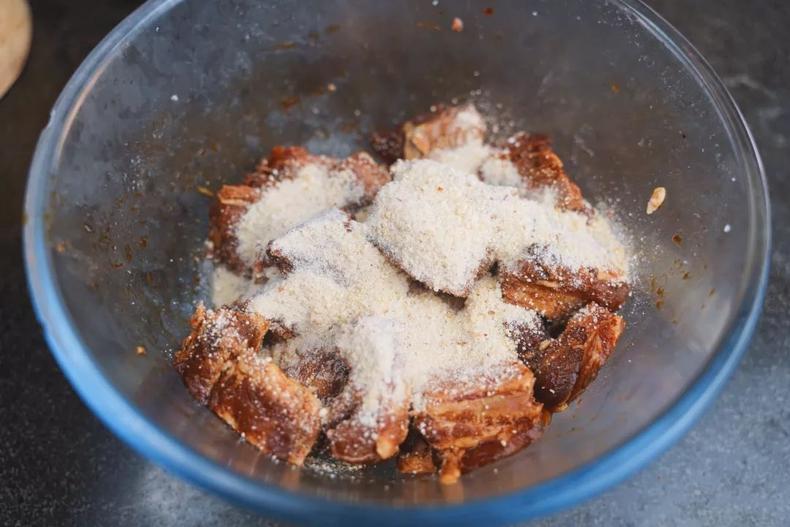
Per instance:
(184,95)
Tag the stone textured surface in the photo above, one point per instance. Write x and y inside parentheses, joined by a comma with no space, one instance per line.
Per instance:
(60,466)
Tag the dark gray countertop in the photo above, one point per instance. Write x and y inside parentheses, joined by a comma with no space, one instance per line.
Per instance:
(60,466)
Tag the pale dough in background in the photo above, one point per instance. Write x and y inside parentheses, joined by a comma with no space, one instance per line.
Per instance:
(16,31)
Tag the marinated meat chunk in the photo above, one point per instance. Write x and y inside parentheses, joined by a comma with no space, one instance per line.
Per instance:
(565,366)
(220,364)
(288,188)
(332,276)
(546,300)
(379,419)
(527,336)
(488,452)
(388,145)
(435,312)
(271,411)
(356,440)
(416,456)
(446,128)
(540,167)
(283,163)
(293,248)
(482,424)
(556,292)
(435,225)
(322,371)
(372,175)
(217,338)
(231,203)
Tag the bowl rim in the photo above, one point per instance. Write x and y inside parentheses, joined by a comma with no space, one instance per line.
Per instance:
(121,416)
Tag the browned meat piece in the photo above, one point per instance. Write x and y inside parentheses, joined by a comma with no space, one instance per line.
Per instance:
(341,407)
(305,253)
(565,366)
(540,167)
(323,371)
(483,424)
(527,336)
(549,302)
(370,419)
(220,365)
(231,204)
(271,411)
(217,339)
(234,200)
(372,175)
(556,292)
(388,145)
(491,451)
(449,128)
(415,456)
(445,128)
(283,163)
(355,441)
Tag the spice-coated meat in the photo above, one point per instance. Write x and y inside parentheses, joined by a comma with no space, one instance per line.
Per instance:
(482,424)
(540,167)
(556,292)
(322,371)
(565,366)
(415,455)
(232,202)
(284,163)
(221,365)
(217,338)
(355,440)
(271,411)
(444,128)
(375,368)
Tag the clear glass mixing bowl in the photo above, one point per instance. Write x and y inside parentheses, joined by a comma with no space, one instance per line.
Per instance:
(188,94)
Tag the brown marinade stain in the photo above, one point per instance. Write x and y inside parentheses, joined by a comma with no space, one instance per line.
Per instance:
(289,102)
(422,24)
(288,44)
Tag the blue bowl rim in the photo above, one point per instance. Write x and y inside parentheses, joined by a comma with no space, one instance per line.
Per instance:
(563,491)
